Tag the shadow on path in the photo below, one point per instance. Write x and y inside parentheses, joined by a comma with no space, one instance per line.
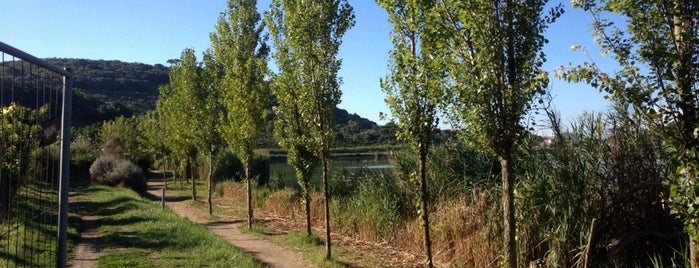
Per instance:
(266,252)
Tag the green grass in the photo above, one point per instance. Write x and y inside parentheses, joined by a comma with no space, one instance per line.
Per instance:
(28,238)
(139,233)
(312,248)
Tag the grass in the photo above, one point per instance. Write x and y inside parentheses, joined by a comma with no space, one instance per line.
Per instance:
(312,248)
(28,238)
(139,233)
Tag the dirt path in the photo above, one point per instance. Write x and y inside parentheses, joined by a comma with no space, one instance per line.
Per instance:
(227,228)
(89,247)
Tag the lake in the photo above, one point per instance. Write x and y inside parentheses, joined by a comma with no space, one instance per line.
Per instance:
(285,175)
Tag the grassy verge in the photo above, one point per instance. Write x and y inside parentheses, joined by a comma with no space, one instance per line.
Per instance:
(311,248)
(138,233)
(28,237)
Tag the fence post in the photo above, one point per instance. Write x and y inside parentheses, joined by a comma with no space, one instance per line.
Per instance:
(65,171)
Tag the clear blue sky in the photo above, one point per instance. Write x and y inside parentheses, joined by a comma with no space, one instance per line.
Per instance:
(153,31)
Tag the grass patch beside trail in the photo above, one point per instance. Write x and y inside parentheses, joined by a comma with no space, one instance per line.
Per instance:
(139,233)
(28,236)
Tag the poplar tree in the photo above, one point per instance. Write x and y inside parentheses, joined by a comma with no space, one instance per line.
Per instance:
(175,105)
(658,55)
(496,49)
(192,111)
(416,87)
(309,34)
(211,114)
(239,46)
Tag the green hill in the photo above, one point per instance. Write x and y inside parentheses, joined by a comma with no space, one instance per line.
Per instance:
(106,89)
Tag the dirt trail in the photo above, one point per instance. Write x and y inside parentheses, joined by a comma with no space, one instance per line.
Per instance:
(227,228)
(89,247)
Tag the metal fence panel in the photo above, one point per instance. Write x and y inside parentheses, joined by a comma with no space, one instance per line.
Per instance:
(35,102)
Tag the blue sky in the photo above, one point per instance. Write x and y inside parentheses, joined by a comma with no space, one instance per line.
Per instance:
(153,31)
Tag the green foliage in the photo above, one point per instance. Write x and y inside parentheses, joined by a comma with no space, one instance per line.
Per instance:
(307,38)
(189,109)
(123,137)
(44,164)
(455,167)
(20,135)
(82,154)
(657,54)
(113,87)
(380,198)
(496,58)
(416,87)
(152,138)
(495,63)
(112,171)
(604,167)
(229,166)
(240,48)
(242,52)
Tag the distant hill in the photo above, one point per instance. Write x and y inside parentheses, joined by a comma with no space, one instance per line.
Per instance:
(106,89)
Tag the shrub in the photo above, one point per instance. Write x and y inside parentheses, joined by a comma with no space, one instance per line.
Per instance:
(44,164)
(82,154)
(228,166)
(113,171)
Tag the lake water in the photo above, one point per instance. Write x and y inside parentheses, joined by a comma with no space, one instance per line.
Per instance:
(285,174)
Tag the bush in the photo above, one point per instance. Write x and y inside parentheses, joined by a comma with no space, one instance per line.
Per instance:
(228,166)
(113,171)
(373,197)
(44,164)
(82,154)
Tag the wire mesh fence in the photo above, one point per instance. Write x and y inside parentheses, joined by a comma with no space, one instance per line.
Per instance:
(33,177)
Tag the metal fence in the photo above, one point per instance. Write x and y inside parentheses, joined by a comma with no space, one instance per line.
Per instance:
(35,98)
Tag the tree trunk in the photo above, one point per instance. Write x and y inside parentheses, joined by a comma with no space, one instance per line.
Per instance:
(248,177)
(326,197)
(162,198)
(190,173)
(693,254)
(211,181)
(307,202)
(179,176)
(424,204)
(508,208)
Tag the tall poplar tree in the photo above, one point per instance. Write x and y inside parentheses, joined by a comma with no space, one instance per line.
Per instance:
(658,55)
(496,49)
(240,48)
(210,113)
(416,86)
(309,34)
(290,125)
(192,111)
(175,103)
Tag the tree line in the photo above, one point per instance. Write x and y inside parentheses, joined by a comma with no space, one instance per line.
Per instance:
(478,64)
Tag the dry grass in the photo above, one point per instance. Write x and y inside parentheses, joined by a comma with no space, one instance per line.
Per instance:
(461,231)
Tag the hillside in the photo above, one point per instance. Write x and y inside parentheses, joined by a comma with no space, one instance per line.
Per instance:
(106,89)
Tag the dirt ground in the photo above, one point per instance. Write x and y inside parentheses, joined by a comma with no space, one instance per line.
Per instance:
(228,228)
(89,248)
